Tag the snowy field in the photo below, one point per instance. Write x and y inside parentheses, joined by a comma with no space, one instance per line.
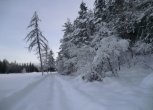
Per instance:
(133,90)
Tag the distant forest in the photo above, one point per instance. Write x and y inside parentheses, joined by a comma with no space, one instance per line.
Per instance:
(14,67)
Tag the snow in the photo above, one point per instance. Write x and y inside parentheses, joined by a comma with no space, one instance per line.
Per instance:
(147,82)
(11,83)
(131,91)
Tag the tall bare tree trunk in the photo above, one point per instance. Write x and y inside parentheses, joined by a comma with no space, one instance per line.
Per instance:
(40,59)
(40,56)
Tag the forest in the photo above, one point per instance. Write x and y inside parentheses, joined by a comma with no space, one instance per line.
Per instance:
(106,38)
(13,67)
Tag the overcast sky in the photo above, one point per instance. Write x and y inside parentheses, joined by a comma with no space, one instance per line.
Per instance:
(15,16)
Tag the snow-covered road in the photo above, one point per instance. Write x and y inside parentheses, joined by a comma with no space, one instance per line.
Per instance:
(55,92)
(51,92)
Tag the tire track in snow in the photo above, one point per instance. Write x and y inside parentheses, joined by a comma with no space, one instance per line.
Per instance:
(120,100)
(75,99)
(8,102)
(58,99)
(105,102)
(39,98)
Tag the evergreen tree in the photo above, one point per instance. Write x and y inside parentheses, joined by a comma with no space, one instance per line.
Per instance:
(145,24)
(36,39)
(83,10)
(5,66)
(1,65)
(100,10)
(51,61)
(66,46)
(45,54)
(68,29)
(119,5)
(60,63)
(80,35)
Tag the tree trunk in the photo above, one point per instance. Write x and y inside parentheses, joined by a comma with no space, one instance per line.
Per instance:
(111,68)
(119,63)
(38,42)
(41,62)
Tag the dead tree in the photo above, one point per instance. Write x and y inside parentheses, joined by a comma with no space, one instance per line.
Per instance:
(36,40)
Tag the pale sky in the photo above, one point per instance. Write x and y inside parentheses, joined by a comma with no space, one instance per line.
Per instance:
(15,16)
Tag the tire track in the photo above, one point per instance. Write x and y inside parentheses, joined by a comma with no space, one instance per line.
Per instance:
(8,102)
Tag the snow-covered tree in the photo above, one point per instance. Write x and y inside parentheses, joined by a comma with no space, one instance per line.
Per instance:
(103,39)
(60,63)
(80,34)
(45,54)
(35,38)
(51,61)
(66,54)
(48,59)
(100,10)
(145,22)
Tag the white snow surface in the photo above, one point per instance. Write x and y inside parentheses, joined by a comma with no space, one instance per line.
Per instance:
(133,90)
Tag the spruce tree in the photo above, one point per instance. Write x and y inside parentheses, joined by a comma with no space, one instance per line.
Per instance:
(45,57)
(80,35)
(65,42)
(51,61)
(83,10)
(1,65)
(99,11)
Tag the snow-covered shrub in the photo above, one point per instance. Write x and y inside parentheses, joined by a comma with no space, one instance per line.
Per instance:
(85,57)
(107,57)
(142,48)
(69,65)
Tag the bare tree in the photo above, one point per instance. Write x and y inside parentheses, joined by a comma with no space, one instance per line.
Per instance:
(36,40)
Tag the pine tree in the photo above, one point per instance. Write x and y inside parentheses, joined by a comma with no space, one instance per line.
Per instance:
(65,42)
(5,64)
(45,54)
(80,35)
(51,61)
(99,11)
(68,28)
(36,39)
(83,10)
(119,5)
(145,24)
(1,66)
(66,46)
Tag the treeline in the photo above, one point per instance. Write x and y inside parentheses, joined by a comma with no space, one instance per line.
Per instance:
(103,39)
(13,67)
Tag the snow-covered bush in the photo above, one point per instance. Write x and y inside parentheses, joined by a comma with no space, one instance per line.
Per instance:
(142,48)
(85,57)
(107,57)
(69,65)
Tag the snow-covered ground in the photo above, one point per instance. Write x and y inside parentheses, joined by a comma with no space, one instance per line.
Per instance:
(133,90)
